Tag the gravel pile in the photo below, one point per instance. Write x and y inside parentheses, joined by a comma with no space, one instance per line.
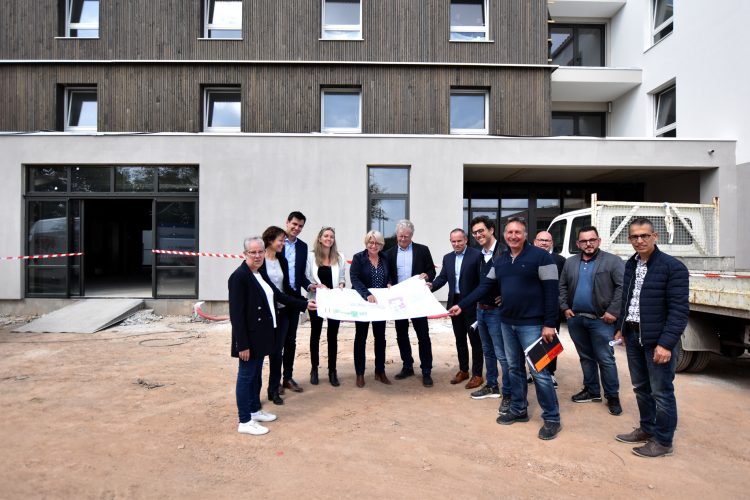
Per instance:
(142,317)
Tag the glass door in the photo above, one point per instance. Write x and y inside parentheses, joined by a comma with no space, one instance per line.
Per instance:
(176,229)
(48,234)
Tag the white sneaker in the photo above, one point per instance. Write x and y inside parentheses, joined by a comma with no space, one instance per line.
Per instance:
(253,428)
(263,416)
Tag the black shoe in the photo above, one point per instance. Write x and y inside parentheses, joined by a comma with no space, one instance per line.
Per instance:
(333,378)
(512,418)
(488,391)
(549,430)
(404,373)
(586,397)
(426,380)
(613,405)
(505,405)
(314,376)
(275,398)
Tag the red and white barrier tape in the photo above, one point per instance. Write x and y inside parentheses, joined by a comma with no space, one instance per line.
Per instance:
(715,275)
(199,254)
(43,256)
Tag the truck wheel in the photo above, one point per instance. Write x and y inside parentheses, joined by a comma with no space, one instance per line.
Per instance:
(684,358)
(700,361)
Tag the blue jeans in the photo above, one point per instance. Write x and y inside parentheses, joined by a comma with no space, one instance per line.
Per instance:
(517,338)
(493,347)
(591,338)
(654,390)
(249,380)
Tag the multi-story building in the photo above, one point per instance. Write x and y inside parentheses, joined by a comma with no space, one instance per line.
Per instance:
(167,124)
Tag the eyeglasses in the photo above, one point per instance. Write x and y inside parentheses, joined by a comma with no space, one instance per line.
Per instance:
(545,240)
(592,241)
(478,231)
(374,243)
(255,254)
(636,237)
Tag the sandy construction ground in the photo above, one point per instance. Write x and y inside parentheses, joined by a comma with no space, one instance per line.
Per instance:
(148,411)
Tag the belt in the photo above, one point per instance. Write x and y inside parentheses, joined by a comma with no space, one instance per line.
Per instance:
(634,326)
(485,307)
(586,315)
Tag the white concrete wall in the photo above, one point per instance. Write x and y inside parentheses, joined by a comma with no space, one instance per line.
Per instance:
(705,56)
(248,182)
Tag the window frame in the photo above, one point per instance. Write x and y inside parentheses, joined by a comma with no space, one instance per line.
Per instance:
(69,91)
(388,196)
(471,131)
(207,91)
(340,130)
(660,132)
(70,26)
(577,115)
(657,30)
(208,27)
(470,29)
(576,27)
(352,28)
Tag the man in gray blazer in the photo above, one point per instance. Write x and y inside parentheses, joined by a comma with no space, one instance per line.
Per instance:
(590,298)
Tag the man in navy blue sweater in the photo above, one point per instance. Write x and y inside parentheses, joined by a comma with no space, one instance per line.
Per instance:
(527,278)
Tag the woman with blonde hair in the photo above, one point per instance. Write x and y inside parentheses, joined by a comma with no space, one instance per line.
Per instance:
(370,270)
(325,269)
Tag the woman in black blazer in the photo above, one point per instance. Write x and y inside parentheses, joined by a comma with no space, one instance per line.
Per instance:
(253,313)
(276,267)
(369,269)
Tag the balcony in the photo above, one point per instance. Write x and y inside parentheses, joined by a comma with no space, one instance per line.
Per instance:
(593,84)
(603,9)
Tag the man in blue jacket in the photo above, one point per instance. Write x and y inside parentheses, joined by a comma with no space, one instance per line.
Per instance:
(654,313)
(527,278)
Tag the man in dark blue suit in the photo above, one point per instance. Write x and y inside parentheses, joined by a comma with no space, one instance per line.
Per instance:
(295,251)
(461,271)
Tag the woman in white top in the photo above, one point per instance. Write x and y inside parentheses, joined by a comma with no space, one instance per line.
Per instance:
(325,269)
(276,267)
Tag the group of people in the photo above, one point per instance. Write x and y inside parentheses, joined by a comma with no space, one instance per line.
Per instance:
(500,300)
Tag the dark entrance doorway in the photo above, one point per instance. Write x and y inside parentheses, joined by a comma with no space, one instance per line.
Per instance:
(117,238)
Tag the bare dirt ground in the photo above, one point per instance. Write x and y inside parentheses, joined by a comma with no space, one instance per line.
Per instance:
(147,411)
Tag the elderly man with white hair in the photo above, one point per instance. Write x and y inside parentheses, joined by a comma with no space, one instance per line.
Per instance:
(409,259)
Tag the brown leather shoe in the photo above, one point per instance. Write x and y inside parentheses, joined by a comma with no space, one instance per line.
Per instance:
(360,380)
(281,389)
(381,377)
(474,382)
(292,385)
(460,377)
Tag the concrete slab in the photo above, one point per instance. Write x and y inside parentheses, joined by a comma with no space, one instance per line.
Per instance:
(84,316)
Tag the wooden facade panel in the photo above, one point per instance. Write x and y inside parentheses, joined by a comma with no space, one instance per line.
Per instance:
(393,30)
(276,98)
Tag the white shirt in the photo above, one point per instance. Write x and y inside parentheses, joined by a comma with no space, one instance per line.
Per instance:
(269,295)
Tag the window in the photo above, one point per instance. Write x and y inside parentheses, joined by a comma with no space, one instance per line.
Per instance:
(663,13)
(223,19)
(469,20)
(469,112)
(577,45)
(82,18)
(223,110)
(666,113)
(80,109)
(388,200)
(566,123)
(342,20)
(341,110)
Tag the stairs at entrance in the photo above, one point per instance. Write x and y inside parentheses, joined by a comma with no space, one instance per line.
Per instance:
(84,316)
